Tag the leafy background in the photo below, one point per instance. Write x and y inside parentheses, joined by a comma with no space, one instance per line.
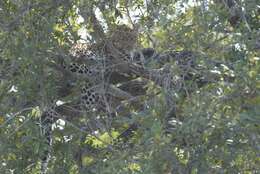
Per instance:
(219,131)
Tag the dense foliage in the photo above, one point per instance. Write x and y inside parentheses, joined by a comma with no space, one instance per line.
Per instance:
(193,127)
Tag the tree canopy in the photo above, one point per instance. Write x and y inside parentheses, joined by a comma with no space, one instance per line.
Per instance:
(138,87)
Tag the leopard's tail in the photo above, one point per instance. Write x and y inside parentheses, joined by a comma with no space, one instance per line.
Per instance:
(46,129)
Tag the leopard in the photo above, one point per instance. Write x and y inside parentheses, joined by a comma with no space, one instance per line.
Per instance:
(82,51)
(80,69)
(93,60)
(89,97)
(48,117)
